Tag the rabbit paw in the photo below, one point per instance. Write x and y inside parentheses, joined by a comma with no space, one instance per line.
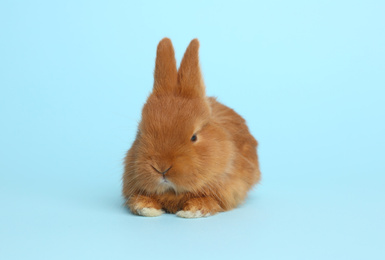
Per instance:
(144,206)
(199,207)
(191,214)
(149,212)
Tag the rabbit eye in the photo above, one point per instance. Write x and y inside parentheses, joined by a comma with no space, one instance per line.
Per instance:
(194,138)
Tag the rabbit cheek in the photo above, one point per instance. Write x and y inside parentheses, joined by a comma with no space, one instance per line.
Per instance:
(186,177)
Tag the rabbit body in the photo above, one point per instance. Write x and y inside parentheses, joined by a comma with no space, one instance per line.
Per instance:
(192,155)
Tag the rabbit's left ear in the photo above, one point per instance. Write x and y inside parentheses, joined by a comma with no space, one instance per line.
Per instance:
(165,74)
(190,81)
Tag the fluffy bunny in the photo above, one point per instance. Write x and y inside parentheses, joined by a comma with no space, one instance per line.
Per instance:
(192,155)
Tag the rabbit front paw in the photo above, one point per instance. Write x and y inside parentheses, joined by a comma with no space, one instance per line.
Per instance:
(199,207)
(144,206)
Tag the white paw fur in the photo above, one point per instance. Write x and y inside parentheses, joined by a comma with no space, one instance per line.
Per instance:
(149,212)
(191,214)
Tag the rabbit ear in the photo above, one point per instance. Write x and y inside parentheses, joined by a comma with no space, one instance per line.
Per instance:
(189,75)
(165,74)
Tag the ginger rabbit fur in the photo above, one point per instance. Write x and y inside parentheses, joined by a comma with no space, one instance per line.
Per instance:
(192,155)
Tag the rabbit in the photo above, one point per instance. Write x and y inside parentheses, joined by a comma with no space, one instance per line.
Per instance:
(192,156)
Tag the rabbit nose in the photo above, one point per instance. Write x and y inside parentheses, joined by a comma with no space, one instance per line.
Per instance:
(163,172)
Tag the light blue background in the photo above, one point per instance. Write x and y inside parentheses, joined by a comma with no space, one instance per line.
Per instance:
(308,76)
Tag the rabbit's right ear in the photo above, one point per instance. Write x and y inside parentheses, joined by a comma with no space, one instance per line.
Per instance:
(165,74)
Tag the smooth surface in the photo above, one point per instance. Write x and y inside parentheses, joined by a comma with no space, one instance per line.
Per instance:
(308,76)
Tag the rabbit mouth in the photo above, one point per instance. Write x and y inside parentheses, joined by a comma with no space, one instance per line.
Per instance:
(166,184)
(165,181)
